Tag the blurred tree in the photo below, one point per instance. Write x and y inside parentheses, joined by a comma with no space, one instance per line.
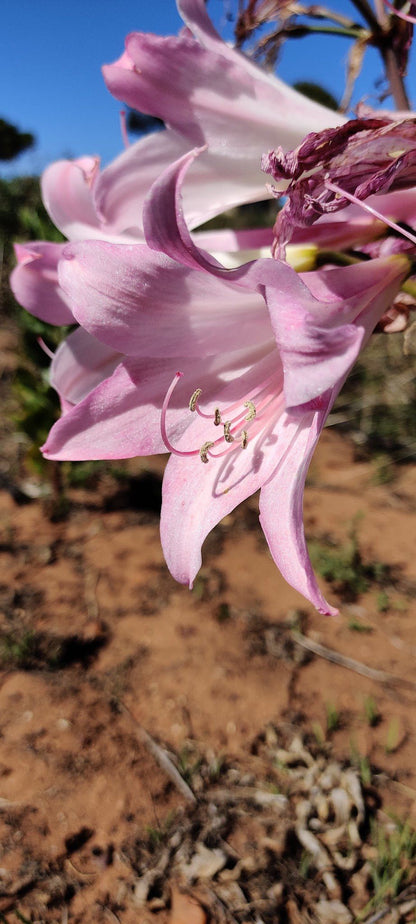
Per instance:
(12,141)
(317,93)
(22,218)
(139,123)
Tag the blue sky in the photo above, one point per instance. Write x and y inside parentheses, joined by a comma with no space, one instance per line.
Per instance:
(51,54)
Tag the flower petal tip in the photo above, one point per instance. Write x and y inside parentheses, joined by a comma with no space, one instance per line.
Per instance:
(24,254)
(328,610)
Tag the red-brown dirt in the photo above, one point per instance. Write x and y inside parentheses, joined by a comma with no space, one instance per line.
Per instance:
(99,642)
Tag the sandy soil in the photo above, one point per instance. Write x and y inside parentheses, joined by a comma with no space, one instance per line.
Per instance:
(98,643)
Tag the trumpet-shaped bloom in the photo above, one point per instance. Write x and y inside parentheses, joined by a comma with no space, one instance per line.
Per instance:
(217,96)
(209,93)
(232,371)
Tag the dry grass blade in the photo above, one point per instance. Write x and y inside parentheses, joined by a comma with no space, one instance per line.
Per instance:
(355,63)
(349,663)
(401,902)
(162,758)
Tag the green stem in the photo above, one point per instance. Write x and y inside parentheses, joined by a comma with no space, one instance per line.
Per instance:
(382,41)
(352,32)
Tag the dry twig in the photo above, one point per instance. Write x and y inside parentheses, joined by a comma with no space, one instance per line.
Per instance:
(162,758)
(349,663)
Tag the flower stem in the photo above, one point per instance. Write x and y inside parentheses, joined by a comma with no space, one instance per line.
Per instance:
(390,61)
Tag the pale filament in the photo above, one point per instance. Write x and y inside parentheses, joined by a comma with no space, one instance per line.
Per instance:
(272,399)
(165,438)
(233,429)
(369,208)
(232,426)
(401,13)
(123,127)
(225,413)
(45,348)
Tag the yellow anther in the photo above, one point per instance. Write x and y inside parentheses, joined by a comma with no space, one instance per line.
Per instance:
(193,401)
(217,417)
(244,439)
(251,410)
(227,435)
(203,452)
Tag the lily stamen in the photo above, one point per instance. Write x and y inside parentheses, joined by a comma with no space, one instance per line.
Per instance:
(369,208)
(203,452)
(227,435)
(232,428)
(251,410)
(193,401)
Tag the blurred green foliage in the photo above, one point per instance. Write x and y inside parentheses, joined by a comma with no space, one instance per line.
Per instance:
(344,568)
(317,93)
(13,141)
(23,218)
(377,405)
(394,865)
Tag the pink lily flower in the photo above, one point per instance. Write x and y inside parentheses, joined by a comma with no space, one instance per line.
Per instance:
(209,93)
(218,96)
(226,96)
(232,371)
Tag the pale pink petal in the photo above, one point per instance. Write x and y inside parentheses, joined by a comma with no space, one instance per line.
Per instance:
(164,223)
(281,505)
(166,230)
(80,363)
(298,319)
(313,323)
(216,105)
(399,205)
(340,230)
(67,194)
(212,185)
(121,417)
(320,340)
(121,188)
(195,499)
(228,102)
(197,496)
(141,303)
(34,282)
(195,14)
(218,182)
